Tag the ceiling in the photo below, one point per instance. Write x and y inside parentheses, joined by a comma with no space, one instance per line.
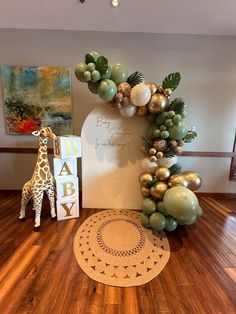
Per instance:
(215,17)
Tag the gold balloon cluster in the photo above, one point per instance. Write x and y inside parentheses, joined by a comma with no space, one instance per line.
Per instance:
(156,184)
(158,102)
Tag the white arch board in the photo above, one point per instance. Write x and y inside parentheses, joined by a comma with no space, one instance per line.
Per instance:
(111,159)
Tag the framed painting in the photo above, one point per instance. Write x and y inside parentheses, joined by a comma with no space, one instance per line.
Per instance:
(36,96)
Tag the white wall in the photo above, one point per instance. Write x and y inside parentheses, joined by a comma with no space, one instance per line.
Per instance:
(207,65)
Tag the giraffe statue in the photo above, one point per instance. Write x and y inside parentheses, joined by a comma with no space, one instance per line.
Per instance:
(41,180)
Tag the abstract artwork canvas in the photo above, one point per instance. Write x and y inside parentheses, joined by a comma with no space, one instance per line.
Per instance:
(37,96)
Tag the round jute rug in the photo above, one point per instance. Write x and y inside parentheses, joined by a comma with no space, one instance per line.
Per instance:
(113,248)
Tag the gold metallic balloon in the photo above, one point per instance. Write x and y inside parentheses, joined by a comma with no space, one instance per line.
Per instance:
(153,159)
(145,178)
(167,92)
(152,87)
(159,155)
(152,151)
(193,179)
(177,179)
(145,191)
(157,103)
(162,173)
(142,111)
(178,150)
(158,190)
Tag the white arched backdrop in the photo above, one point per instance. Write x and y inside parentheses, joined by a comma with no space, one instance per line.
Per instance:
(111,159)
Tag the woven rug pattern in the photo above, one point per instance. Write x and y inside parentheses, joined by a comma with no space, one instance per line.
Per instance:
(113,248)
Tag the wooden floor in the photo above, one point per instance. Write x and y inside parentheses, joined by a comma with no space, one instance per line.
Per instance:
(39,273)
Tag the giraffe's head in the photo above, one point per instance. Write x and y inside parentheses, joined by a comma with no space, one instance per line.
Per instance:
(44,133)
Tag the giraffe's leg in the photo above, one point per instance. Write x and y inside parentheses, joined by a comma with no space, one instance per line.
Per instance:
(50,194)
(38,200)
(26,195)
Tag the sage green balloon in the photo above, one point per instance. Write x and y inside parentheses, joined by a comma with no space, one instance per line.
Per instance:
(107,90)
(93,87)
(157,221)
(171,224)
(178,132)
(149,206)
(151,131)
(161,208)
(199,211)
(79,71)
(181,203)
(107,75)
(119,73)
(145,220)
(190,221)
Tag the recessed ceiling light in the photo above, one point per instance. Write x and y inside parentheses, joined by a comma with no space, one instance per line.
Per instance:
(115,3)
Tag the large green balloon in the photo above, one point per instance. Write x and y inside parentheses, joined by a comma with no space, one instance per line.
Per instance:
(157,221)
(171,224)
(190,221)
(107,90)
(145,220)
(149,206)
(181,203)
(178,132)
(119,73)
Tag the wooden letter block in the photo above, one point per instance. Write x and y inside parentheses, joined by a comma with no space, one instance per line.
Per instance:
(67,146)
(65,167)
(67,188)
(68,209)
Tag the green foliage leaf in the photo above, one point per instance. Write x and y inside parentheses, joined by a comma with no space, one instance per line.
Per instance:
(177,105)
(175,169)
(89,58)
(152,182)
(169,152)
(146,143)
(172,81)
(190,136)
(101,65)
(135,78)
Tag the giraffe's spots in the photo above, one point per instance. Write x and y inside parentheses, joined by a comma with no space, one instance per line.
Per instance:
(44,156)
(42,174)
(42,164)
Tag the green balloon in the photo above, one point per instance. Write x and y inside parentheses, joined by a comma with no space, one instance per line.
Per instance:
(178,132)
(164,134)
(148,206)
(157,221)
(145,220)
(95,76)
(107,90)
(94,54)
(79,71)
(161,208)
(151,131)
(119,73)
(87,76)
(181,203)
(93,87)
(107,75)
(171,224)
(190,221)
(199,211)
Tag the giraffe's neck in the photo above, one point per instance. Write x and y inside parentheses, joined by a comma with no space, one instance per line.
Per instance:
(42,168)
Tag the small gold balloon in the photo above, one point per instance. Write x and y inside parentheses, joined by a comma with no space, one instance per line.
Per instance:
(158,190)
(178,150)
(145,178)
(145,191)
(177,179)
(160,89)
(159,155)
(162,173)
(153,158)
(167,92)
(152,87)
(193,179)
(157,103)
(152,151)
(142,111)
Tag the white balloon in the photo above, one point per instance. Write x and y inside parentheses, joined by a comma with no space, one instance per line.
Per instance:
(128,111)
(149,166)
(140,94)
(167,162)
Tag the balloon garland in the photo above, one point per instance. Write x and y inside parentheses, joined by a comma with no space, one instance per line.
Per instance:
(168,197)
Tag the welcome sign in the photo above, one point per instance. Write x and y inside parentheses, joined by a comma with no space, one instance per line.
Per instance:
(111,160)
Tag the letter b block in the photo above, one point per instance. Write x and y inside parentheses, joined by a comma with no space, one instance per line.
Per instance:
(67,188)
(67,146)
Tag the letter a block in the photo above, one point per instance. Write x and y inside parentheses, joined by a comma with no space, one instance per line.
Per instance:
(67,146)
(68,209)
(65,167)
(67,188)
